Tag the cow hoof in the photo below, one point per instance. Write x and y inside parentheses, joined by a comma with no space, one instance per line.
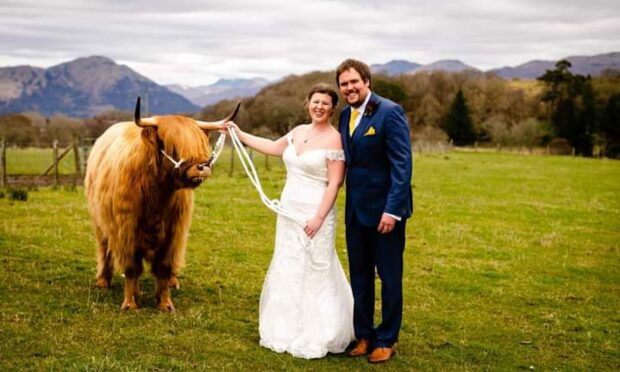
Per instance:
(167,307)
(129,305)
(102,283)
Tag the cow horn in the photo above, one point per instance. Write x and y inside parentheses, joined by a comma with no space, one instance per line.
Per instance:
(212,125)
(143,122)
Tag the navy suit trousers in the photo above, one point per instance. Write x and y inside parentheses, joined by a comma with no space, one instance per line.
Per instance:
(367,250)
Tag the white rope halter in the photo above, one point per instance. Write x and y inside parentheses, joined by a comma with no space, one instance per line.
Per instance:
(219,146)
(273,204)
(177,164)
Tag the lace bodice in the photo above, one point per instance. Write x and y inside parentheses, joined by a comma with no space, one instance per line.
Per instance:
(307,171)
(310,163)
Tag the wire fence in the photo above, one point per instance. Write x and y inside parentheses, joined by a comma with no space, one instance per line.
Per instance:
(65,163)
(59,164)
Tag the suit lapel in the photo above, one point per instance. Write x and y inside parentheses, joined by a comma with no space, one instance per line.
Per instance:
(362,127)
(344,132)
(364,124)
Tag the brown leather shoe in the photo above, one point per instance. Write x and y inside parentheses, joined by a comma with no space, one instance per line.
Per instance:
(361,348)
(381,354)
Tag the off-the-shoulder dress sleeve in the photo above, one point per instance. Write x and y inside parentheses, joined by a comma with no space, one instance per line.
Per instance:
(335,155)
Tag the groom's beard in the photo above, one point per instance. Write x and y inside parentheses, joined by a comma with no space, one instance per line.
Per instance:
(358,102)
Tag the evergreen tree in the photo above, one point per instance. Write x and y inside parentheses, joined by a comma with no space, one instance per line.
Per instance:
(458,124)
(610,126)
(572,108)
(587,120)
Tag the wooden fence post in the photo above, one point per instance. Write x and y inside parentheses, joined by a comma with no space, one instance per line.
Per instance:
(86,146)
(76,155)
(232,161)
(55,154)
(2,163)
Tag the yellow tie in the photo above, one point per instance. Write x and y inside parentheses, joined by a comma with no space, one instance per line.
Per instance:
(354,114)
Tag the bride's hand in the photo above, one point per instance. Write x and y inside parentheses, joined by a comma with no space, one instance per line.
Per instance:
(228,126)
(312,226)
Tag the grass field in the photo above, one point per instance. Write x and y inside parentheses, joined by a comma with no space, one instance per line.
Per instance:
(512,262)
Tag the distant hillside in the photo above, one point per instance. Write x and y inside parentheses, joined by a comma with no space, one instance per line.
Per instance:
(87,86)
(397,67)
(222,89)
(582,65)
(448,65)
(83,88)
(394,67)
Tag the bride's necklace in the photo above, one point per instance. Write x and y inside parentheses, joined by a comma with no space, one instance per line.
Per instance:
(309,137)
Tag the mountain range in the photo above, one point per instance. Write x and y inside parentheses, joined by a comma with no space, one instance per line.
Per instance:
(88,86)
(582,65)
(83,88)
(398,67)
(222,89)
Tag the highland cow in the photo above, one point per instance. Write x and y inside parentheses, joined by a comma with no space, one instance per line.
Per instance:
(139,183)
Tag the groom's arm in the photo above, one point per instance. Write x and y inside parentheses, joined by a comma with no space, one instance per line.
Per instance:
(398,145)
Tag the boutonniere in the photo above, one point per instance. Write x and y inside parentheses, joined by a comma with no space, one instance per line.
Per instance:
(371,106)
(370,131)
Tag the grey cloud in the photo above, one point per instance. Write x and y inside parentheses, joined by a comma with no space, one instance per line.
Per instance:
(191,42)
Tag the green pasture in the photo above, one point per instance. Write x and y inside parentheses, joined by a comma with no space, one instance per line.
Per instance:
(512,263)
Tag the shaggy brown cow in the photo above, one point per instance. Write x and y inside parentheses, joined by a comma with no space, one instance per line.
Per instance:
(139,184)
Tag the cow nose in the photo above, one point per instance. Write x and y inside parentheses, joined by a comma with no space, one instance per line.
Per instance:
(203,167)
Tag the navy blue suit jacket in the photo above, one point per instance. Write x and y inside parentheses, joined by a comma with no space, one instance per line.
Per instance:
(378,161)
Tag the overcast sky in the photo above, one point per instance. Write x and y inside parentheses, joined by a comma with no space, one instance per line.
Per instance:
(195,42)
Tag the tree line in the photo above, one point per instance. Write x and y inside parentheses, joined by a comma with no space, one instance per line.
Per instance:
(33,129)
(469,107)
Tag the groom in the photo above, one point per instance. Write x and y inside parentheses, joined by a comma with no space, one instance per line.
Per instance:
(377,145)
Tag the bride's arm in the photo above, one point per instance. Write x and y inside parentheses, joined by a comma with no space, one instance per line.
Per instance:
(335,178)
(260,144)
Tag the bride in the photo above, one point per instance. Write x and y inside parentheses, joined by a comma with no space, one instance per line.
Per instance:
(306,305)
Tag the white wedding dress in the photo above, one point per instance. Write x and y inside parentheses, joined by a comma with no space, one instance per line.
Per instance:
(306,306)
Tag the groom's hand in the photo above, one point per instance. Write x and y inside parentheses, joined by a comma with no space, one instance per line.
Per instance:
(386,224)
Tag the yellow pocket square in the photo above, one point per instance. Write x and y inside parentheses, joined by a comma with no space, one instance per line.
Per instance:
(370,132)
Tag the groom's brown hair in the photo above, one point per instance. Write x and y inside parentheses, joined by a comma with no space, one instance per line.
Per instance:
(355,64)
